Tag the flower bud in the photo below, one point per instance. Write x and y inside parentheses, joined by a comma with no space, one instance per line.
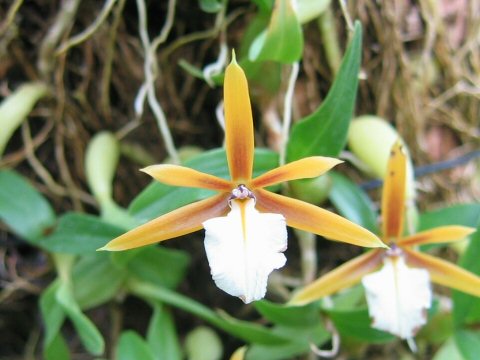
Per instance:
(15,108)
(203,344)
(314,191)
(370,139)
(101,161)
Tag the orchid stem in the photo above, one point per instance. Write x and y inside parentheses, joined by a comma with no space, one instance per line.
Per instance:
(287,111)
(308,254)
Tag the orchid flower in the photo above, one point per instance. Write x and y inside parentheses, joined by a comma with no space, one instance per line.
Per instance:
(245,224)
(399,294)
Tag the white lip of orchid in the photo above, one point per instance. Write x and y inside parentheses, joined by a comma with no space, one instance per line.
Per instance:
(245,246)
(398,296)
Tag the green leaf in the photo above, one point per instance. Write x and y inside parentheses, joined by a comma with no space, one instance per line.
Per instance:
(57,349)
(349,299)
(243,330)
(132,346)
(162,335)
(298,343)
(52,313)
(465,215)
(448,351)
(324,132)
(352,202)
(159,265)
(23,208)
(158,199)
(468,343)
(96,280)
(294,316)
(282,41)
(88,333)
(356,324)
(78,233)
(466,308)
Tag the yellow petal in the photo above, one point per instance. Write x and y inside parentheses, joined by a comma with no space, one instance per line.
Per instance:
(339,278)
(438,235)
(305,168)
(444,273)
(184,176)
(304,216)
(393,196)
(238,123)
(179,222)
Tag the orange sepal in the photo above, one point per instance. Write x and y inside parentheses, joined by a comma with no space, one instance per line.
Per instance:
(179,222)
(438,235)
(339,278)
(238,123)
(304,168)
(444,273)
(304,216)
(393,195)
(184,176)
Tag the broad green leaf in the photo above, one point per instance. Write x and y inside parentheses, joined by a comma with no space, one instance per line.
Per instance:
(448,351)
(162,335)
(133,346)
(159,265)
(158,199)
(57,349)
(52,313)
(243,330)
(294,316)
(349,299)
(468,343)
(356,324)
(264,5)
(282,41)
(438,328)
(23,208)
(466,308)
(466,215)
(298,344)
(78,233)
(324,132)
(88,333)
(96,280)
(352,202)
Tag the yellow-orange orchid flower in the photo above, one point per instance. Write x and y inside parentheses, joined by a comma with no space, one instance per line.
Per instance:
(399,293)
(244,246)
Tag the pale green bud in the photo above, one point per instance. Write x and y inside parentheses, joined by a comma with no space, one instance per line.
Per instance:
(15,108)
(203,344)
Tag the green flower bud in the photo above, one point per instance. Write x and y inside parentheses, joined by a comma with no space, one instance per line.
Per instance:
(314,191)
(370,139)
(16,107)
(203,344)
(101,161)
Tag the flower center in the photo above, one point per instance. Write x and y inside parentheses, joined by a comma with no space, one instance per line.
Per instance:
(394,251)
(241,192)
